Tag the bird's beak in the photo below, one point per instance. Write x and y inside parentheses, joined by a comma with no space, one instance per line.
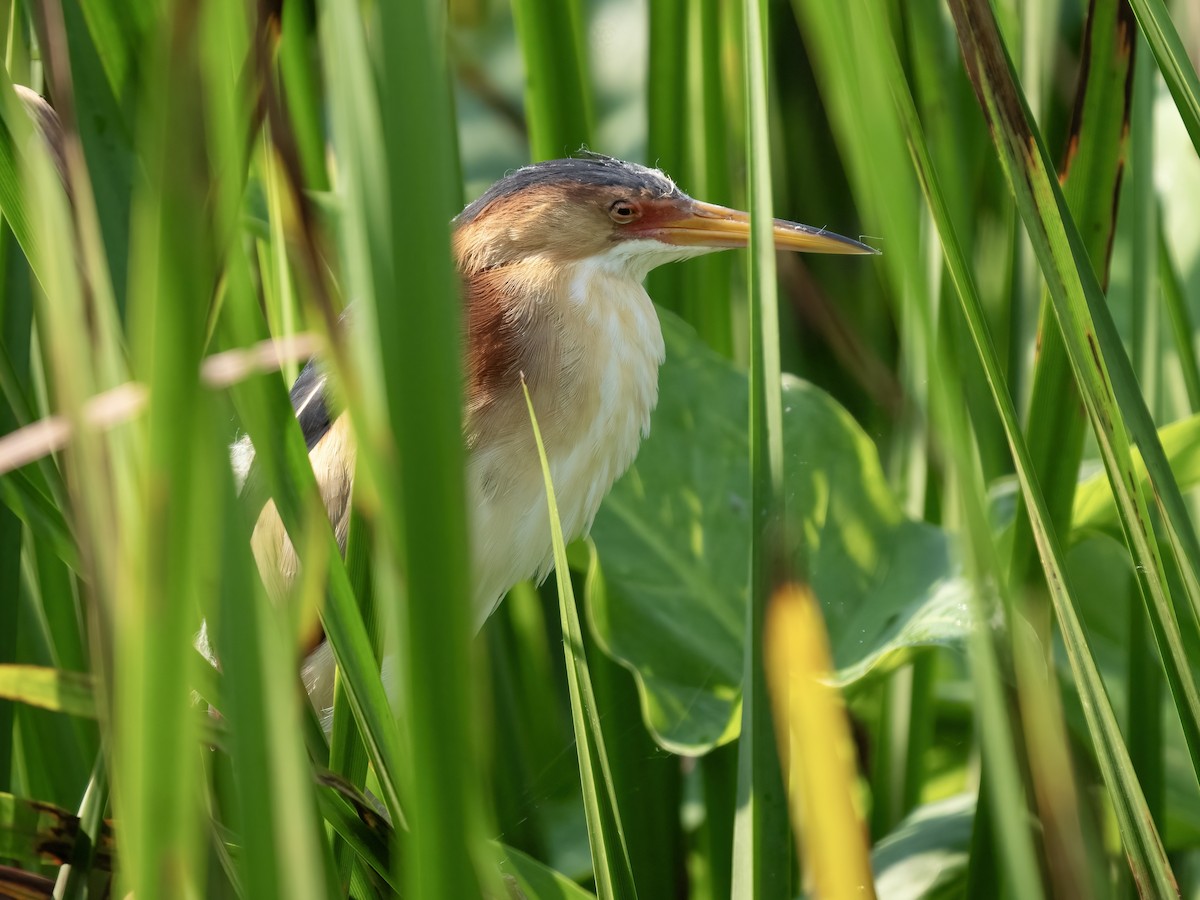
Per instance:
(708,225)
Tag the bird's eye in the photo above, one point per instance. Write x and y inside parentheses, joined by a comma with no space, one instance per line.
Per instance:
(624,211)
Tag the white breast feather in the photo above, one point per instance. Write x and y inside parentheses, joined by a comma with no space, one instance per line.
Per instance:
(612,320)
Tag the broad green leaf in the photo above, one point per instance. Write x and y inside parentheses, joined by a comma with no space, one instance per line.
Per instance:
(1095,507)
(674,538)
(535,880)
(926,855)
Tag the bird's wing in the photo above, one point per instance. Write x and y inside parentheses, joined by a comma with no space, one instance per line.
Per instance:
(311,404)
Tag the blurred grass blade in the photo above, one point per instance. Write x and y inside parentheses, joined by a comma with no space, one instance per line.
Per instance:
(347,753)
(12,202)
(1143,845)
(666,115)
(815,746)
(761,857)
(610,856)
(281,842)
(119,29)
(1094,349)
(170,543)
(281,457)
(1173,61)
(393,183)
(557,107)
(74,877)
(708,299)
(1180,321)
(419,346)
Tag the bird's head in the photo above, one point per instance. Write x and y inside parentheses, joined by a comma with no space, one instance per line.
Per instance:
(606,210)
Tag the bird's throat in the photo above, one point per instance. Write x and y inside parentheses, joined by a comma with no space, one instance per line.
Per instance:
(593,349)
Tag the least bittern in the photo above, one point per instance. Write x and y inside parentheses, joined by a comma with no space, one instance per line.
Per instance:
(552,259)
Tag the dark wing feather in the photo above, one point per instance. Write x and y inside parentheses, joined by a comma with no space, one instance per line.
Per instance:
(311,404)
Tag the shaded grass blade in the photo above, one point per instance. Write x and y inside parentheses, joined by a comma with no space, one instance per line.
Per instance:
(1143,845)
(281,457)
(1091,179)
(1173,61)
(859,60)
(1097,358)
(610,856)
(281,843)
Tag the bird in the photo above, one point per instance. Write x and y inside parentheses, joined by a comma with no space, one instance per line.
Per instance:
(551,261)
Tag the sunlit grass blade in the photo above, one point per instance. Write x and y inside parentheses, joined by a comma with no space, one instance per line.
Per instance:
(1179,321)
(1092,170)
(707,301)
(158,596)
(347,753)
(815,746)
(761,856)
(302,92)
(1091,178)
(1098,360)
(536,879)
(1143,844)
(557,105)
(119,29)
(52,689)
(14,135)
(666,114)
(405,401)
(610,856)
(1177,68)
(857,59)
